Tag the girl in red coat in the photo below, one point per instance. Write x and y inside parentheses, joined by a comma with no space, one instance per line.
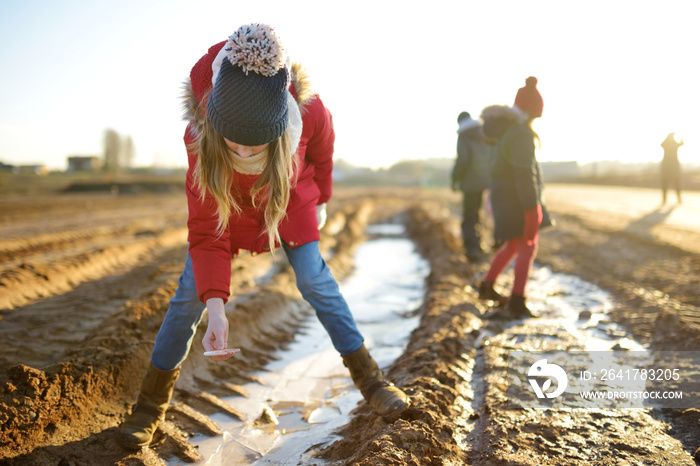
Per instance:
(260,148)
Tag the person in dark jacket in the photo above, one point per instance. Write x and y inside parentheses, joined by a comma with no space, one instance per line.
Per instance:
(671,167)
(471,175)
(516,201)
(260,148)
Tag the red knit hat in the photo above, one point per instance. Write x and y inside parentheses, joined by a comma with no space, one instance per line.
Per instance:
(528,99)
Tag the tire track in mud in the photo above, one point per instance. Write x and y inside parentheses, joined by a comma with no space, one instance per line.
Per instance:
(12,250)
(657,285)
(42,404)
(53,247)
(509,435)
(94,384)
(456,382)
(49,328)
(37,221)
(599,436)
(460,413)
(29,281)
(512,433)
(435,370)
(262,322)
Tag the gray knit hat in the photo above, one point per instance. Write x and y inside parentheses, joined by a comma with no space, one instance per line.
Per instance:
(248,104)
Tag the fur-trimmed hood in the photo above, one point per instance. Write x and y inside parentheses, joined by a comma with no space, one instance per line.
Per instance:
(502,111)
(498,118)
(193,94)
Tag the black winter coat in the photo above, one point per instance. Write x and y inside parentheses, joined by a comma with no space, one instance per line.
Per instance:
(516,181)
(472,168)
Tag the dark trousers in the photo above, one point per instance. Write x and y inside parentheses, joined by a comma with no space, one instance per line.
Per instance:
(671,180)
(471,205)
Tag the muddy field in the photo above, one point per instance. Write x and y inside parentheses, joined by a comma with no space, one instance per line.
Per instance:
(86,279)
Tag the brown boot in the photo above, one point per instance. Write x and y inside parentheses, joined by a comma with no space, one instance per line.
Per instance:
(517,307)
(499,313)
(156,390)
(487,293)
(387,400)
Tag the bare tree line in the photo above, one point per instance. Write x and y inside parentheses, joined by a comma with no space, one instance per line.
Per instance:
(118,151)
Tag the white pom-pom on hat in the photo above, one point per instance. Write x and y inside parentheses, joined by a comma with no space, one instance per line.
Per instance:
(231,49)
(256,47)
(250,108)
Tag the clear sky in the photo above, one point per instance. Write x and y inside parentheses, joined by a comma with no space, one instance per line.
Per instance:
(616,76)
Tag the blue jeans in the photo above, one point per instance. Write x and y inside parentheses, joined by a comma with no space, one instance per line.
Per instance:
(314,280)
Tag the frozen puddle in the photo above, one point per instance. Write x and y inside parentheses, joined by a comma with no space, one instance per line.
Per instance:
(307,392)
(590,360)
(579,308)
(573,314)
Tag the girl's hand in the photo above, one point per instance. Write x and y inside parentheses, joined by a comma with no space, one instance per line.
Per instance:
(321,215)
(533,218)
(216,337)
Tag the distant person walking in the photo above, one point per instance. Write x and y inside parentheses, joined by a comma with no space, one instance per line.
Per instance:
(471,175)
(529,100)
(516,200)
(260,148)
(671,166)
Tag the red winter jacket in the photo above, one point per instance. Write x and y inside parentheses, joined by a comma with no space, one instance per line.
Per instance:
(211,253)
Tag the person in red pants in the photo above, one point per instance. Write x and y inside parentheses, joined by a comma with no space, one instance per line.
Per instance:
(516,200)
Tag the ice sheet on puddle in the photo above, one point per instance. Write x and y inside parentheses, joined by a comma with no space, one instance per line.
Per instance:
(323,414)
(308,387)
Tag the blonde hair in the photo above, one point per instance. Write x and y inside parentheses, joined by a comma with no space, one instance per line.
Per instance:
(214,173)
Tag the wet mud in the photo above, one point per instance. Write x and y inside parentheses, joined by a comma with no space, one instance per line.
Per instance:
(86,279)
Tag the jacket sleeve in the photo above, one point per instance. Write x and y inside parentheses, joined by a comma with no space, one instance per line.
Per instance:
(521,150)
(462,162)
(211,252)
(319,150)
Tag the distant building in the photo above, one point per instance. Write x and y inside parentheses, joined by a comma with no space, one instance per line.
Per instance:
(557,171)
(31,170)
(84,164)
